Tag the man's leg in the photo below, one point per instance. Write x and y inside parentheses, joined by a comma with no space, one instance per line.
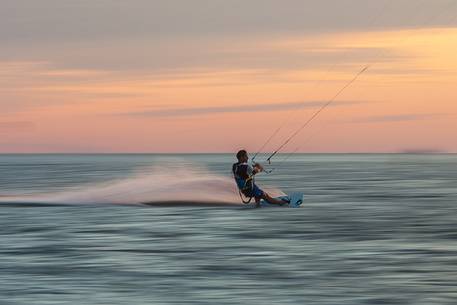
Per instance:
(272,200)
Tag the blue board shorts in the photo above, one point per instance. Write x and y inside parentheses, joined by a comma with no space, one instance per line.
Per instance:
(256,192)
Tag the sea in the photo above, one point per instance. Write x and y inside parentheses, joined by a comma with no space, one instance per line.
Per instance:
(171,229)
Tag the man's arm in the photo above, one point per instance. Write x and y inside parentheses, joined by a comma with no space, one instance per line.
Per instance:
(257,169)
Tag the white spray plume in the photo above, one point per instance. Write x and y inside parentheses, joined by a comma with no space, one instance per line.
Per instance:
(183,184)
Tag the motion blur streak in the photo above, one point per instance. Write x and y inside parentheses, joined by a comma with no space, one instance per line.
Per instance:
(374,229)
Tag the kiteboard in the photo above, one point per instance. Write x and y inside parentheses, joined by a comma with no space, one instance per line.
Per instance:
(295,201)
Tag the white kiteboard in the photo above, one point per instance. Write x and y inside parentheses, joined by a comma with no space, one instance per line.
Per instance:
(295,201)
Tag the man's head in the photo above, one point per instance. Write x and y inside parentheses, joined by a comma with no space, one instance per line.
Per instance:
(242,156)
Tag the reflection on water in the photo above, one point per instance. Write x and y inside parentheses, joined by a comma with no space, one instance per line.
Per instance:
(374,229)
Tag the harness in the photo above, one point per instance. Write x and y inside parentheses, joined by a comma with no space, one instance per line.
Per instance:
(245,186)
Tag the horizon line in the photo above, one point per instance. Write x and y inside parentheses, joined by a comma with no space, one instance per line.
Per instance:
(232,152)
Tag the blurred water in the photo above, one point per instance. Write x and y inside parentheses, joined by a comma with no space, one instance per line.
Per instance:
(374,229)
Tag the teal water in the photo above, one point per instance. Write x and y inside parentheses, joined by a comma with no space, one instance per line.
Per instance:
(374,229)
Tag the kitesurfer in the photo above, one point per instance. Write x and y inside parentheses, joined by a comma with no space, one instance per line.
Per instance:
(244,177)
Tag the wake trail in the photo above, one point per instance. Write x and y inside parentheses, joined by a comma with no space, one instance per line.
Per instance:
(156,186)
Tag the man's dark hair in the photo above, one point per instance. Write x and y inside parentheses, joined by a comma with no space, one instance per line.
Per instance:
(241,154)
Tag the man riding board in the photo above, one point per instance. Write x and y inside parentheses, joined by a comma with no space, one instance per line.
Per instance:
(244,177)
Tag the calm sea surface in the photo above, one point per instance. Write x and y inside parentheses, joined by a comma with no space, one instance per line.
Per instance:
(374,229)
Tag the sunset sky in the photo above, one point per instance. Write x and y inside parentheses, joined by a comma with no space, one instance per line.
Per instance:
(216,76)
